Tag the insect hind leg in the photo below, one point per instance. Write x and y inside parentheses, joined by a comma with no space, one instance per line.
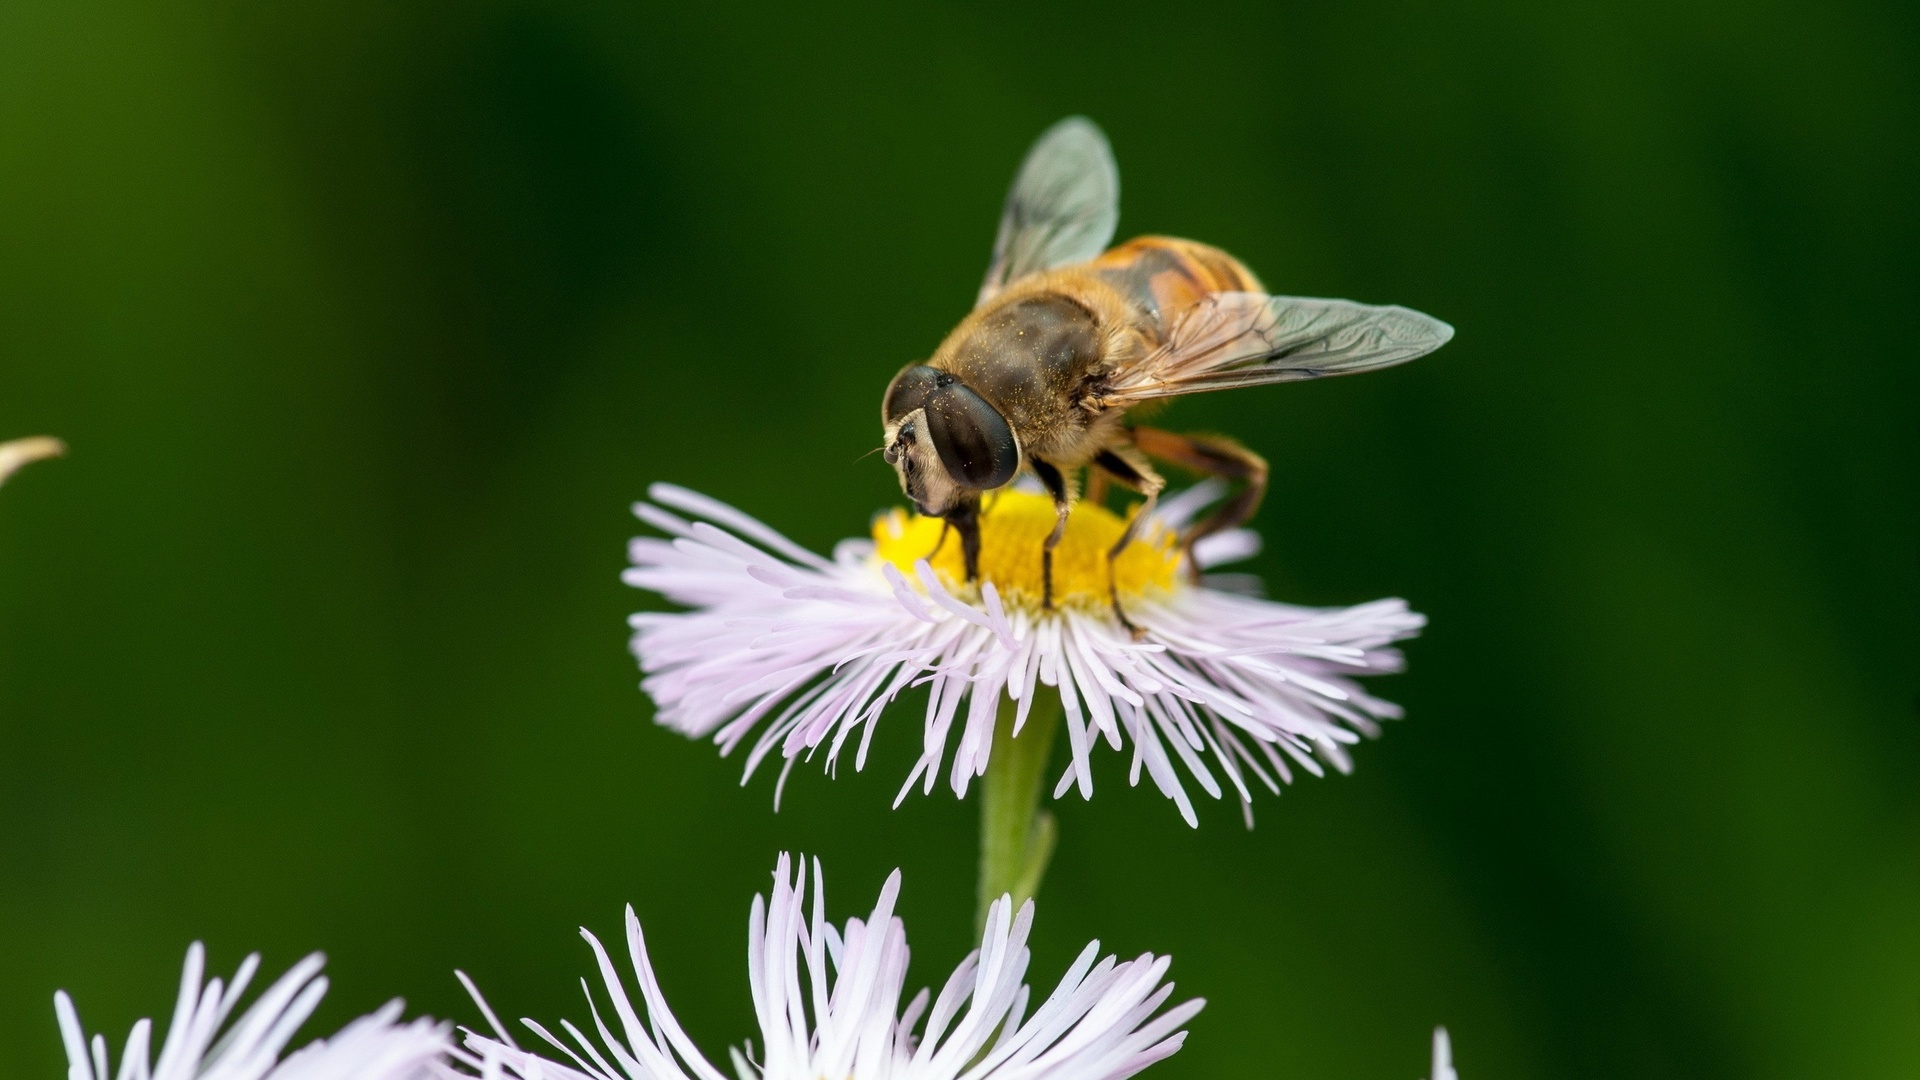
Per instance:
(1210,455)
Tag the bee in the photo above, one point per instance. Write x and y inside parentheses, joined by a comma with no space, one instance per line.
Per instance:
(1068,336)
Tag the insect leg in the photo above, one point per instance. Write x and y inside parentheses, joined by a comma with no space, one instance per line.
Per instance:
(965,520)
(1056,486)
(1211,455)
(946,527)
(1095,491)
(1131,470)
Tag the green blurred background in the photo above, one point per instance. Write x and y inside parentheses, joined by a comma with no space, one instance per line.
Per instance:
(367,321)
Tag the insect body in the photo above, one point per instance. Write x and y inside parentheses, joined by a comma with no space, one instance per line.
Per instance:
(1066,338)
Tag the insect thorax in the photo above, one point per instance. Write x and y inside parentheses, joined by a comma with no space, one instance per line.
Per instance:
(1030,355)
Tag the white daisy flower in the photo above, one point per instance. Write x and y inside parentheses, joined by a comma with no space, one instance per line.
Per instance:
(808,651)
(201,1045)
(828,1003)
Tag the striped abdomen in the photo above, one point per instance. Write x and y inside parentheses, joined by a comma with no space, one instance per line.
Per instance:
(1164,275)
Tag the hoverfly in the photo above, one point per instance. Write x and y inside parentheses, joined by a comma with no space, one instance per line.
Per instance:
(1068,335)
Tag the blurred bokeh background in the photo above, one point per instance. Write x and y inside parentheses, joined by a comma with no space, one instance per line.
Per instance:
(367,321)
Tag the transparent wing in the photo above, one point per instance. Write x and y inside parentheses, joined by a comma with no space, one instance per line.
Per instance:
(1062,208)
(1237,339)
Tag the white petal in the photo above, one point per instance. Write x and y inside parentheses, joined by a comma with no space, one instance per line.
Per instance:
(1442,1057)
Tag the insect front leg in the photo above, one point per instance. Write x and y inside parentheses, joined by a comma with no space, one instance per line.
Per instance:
(1210,455)
(946,526)
(964,519)
(1056,485)
(1132,471)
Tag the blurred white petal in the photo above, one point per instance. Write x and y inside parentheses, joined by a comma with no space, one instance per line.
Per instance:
(20,452)
(1442,1057)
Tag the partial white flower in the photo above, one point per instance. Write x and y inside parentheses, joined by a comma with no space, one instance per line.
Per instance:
(201,1045)
(828,1003)
(810,650)
(19,452)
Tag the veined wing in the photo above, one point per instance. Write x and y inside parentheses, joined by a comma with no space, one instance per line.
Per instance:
(1235,339)
(1062,208)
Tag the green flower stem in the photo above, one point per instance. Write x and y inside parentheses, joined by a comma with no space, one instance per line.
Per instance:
(1016,835)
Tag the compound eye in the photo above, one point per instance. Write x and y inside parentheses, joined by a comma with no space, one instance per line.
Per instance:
(909,390)
(971,437)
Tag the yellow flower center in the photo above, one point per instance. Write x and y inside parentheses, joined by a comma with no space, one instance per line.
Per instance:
(1013,528)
